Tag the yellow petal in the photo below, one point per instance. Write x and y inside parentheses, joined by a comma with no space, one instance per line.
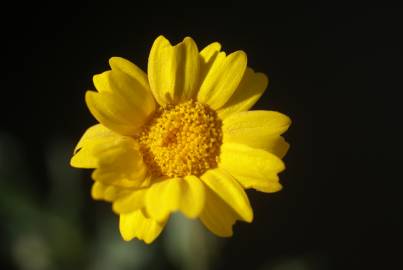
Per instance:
(222,79)
(132,88)
(102,81)
(210,51)
(277,146)
(227,188)
(123,104)
(258,129)
(217,216)
(120,163)
(159,48)
(93,136)
(186,195)
(269,123)
(207,58)
(136,225)
(96,134)
(130,201)
(250,89)
(173,71)
(109,193)
(193,196)
(119,63)
(111,111)
(253,168)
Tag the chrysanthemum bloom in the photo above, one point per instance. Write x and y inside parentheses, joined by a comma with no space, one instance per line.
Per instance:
(181,139)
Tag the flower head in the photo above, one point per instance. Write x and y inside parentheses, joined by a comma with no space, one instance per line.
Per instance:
(181,139)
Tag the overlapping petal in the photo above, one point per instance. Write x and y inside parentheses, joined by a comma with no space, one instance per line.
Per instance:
(130,202)
(105,192)
(276,145)
(217,216)
(124,65)
(94,136)
(136,225)
(177,194)
(223,75)
(227,188)
(252,168)
(258,129)
(124,101)
(248,92)
(207,57)
(173,71)
(120,163)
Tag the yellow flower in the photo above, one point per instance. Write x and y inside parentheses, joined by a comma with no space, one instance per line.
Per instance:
(181,139)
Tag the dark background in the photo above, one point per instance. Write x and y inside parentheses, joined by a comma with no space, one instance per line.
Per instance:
(339,209)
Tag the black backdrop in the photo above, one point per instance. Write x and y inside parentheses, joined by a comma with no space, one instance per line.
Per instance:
(340,209)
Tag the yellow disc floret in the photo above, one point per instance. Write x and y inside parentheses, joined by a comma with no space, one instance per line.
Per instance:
(181,140)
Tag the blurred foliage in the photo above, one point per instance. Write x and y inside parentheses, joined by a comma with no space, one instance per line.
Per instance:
(56,233)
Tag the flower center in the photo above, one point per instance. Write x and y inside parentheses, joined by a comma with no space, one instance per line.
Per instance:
(181,140)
